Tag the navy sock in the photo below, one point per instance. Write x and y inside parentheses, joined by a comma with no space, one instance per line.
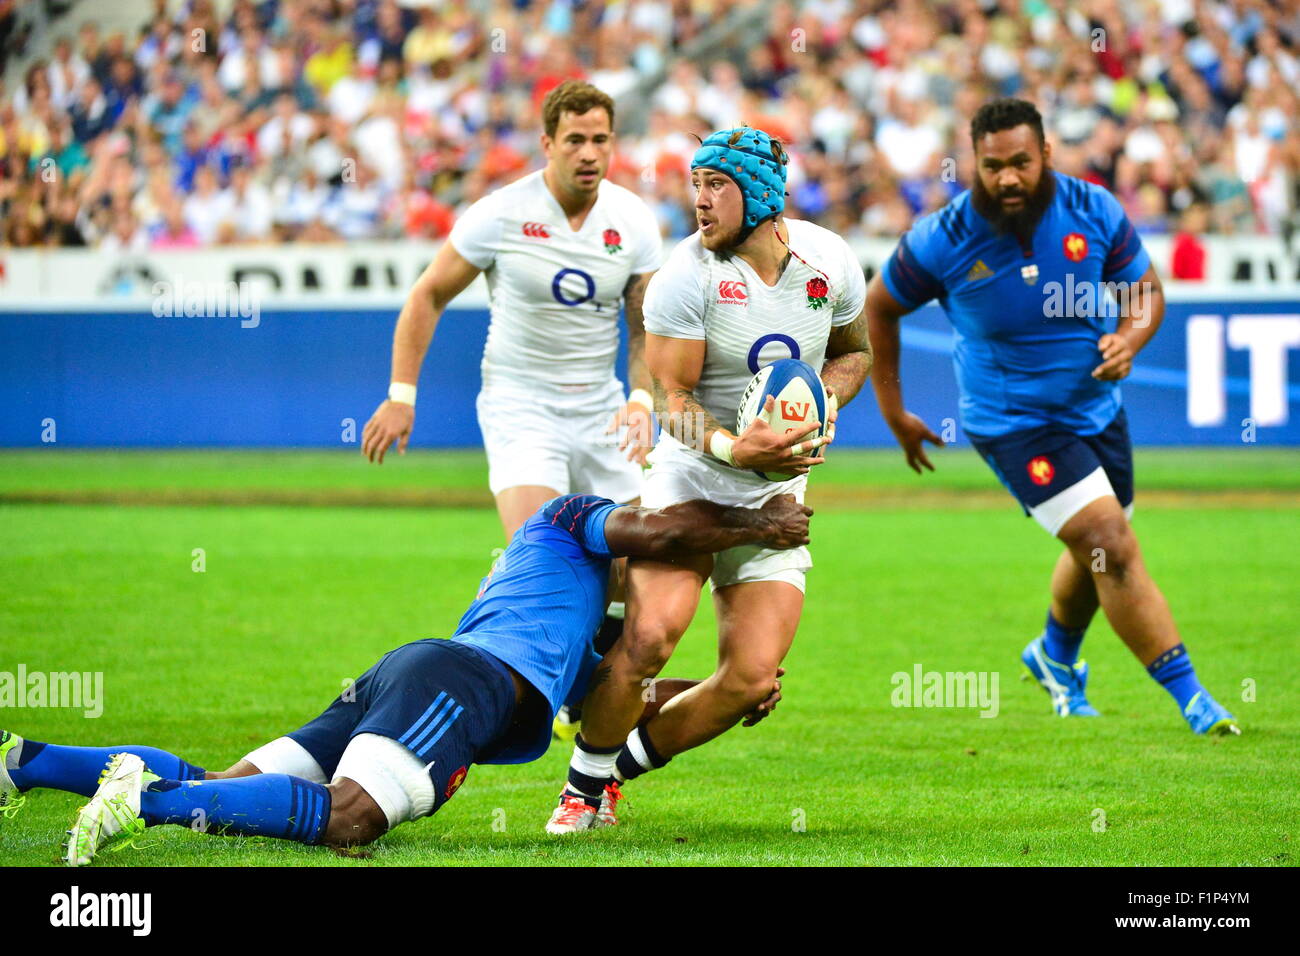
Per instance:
(638,756)
(1173,671)
(590,769)
(1062,643)
(266,804)
(77,769)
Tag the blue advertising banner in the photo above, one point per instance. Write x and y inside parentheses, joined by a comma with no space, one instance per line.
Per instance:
(1219,371)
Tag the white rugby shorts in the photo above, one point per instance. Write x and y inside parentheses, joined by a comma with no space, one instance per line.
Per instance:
(537,433)
(679,474)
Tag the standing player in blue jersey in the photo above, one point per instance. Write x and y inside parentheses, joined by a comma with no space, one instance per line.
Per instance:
(399,742)
(1018,263)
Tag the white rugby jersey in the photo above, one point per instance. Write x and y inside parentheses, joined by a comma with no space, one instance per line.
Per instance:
(554,293)
(747,324)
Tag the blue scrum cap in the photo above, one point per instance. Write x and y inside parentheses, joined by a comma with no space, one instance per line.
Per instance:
(746,155)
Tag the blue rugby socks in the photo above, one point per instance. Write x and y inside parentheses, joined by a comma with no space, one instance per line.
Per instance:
(268,804)
(1173,671)
(1061,643)
(77,769)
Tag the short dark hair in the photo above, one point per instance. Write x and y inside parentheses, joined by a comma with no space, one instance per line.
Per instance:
(1005,113)
(573,96)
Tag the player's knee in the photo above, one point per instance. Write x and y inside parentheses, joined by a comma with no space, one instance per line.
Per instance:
(647,644)
(647,659)
(1107,544)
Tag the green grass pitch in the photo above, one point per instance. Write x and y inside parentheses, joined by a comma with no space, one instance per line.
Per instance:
(306,585)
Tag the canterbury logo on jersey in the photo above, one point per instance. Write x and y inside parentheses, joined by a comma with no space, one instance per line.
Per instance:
(732,291)
(536,230)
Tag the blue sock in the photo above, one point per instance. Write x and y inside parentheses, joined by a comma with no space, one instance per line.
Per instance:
(77,769)
(266,804)
(1062,643)
(1173,671)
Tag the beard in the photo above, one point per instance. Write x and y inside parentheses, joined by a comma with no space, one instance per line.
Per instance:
(1022,222)
(721,243)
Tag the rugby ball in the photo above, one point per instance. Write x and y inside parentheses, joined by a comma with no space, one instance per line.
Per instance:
(800,400)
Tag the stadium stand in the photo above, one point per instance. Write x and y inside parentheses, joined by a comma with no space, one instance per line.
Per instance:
(183,123)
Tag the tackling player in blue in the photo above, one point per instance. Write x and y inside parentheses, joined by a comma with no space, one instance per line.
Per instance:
(397,744)
(1038,367)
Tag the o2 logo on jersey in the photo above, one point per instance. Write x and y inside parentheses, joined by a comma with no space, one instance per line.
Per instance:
(562,291)
(755,350)
(1075,246)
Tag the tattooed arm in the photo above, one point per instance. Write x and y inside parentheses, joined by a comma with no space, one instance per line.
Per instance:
(702,527)
(848,359)
(633,303)
(634,414)
(675,368)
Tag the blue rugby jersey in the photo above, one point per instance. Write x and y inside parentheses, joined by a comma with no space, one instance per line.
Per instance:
(1026,334)
(542,603)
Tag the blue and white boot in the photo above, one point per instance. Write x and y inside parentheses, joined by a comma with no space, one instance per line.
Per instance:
(1205,715)
(1064,683)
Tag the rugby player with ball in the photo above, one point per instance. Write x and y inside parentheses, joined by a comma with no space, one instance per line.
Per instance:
(560,249)
(749,288)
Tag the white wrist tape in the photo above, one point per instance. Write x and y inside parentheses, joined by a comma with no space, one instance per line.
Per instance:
(642,397)
(401,392)
(720,447)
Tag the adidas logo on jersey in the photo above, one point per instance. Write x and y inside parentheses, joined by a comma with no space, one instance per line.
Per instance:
(978,271)
(733,292)
(536,230)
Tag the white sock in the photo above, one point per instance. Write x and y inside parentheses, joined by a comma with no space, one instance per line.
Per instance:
(589,771)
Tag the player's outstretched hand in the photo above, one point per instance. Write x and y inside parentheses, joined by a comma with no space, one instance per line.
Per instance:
(639,439)
(911,431)
(789,522)
(769,704)
(761,448)
(390,423)
(1117,358)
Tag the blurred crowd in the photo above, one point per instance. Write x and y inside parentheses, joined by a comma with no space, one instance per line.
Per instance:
(328,120)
